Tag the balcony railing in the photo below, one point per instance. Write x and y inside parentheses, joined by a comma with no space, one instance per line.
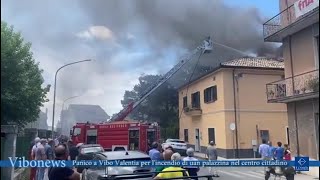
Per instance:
(302,86)
(282,20)
(279,21)
(193,111)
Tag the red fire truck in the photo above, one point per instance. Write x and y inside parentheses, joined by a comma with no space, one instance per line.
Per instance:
(130,134)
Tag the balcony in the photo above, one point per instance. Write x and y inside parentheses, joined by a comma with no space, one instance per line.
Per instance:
(288,22)
(300,87)
(193,111)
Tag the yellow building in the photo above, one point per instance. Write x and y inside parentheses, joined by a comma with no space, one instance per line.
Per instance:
(228,106)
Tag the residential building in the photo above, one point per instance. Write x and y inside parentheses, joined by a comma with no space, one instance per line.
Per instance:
(81,113)
(297,28)
(228,105)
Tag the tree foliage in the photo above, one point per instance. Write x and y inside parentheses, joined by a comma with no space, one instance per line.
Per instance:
(22,93)
(160,106)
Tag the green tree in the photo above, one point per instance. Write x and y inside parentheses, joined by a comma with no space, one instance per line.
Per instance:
(22,93)
(160,106)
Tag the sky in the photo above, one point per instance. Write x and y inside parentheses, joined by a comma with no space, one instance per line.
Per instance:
(126,39)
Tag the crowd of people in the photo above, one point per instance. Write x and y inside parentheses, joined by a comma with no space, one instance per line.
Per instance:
(57,149)
(167,153)
(49,149)
(61,149)
(269,152)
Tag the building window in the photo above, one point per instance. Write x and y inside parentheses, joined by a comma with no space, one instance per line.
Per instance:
(210,94)
(264,134)
(195,100)
(185,102)
(186,135)
(211,135)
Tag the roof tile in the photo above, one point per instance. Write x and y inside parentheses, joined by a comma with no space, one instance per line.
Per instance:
(258,62)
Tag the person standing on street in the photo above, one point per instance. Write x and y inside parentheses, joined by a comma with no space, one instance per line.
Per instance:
(212,155)
(154,153)
(73,151)
(49,148)
(173,172)
(264,151)
(62,173)
(41,155)
(279,152)
(271,150)
(56,142)
(166,157)
(33,171)
(287,153)
(193,171)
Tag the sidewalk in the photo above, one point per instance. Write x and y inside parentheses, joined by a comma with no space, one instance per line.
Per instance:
(202,156)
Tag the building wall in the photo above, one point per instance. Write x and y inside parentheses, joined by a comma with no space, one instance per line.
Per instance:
(212,120)
(306,123)
(213,115)
(284,4)
(252,109)
(305,58)
(210,80)
(304,52)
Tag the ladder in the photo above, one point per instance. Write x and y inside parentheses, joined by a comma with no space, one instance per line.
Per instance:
(205,47)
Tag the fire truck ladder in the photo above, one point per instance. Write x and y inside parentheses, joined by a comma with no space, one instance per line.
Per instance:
(205,47)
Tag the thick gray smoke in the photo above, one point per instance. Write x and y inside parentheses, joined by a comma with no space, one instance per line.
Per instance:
(183,23)
(148,35)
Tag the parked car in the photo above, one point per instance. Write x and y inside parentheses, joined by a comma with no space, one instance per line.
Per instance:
(87,151)
(178,146)
(118,172)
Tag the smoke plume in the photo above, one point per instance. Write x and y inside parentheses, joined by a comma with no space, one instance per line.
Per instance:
(127,38)
(166,23)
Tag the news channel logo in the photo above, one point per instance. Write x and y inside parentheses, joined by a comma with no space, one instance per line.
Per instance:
(301,163)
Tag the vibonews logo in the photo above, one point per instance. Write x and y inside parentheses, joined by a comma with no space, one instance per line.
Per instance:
(302,163)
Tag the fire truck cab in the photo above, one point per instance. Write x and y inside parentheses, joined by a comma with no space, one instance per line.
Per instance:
(127,135)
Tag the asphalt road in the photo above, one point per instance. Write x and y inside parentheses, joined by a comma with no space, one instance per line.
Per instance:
(246,173)
(240,173)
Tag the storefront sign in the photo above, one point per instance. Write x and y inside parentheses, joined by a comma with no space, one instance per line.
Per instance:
(304,6)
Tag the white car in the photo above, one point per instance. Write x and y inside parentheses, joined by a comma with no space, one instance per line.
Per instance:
(177,145)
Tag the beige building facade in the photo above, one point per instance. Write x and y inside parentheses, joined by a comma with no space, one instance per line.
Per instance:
(297,28)
(228,106)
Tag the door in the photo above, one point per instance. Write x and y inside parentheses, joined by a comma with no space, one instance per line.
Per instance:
(197,143)
(211,135)
(134,138)
(264,135)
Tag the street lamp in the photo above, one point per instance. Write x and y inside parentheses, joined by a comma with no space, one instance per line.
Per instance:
(54,91)
(63,108)
(68,99)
